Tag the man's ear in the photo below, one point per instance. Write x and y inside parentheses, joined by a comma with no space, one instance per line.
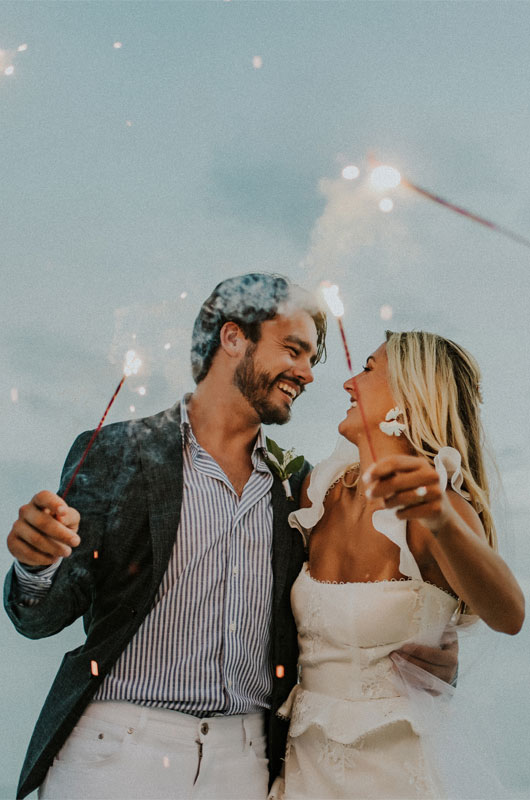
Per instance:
(233,341)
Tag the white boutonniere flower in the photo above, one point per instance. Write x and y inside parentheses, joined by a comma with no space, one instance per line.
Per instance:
(391,426)
(282,463)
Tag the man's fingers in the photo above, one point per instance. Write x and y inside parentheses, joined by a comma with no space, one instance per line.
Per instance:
(49,500)
(435,656)
(29,556)
(46,545)
(46,524)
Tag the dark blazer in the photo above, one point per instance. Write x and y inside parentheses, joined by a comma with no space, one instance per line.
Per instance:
(129,495)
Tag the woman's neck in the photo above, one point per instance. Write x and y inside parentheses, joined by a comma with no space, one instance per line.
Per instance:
(382,446)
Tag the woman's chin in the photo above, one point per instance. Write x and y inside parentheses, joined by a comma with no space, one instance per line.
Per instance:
(346,431)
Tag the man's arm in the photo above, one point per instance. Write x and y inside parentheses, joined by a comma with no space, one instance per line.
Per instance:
(442,662)
(48,529)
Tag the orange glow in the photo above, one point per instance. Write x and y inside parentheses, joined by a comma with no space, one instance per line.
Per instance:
(280,671)
(96,554)
(94,668)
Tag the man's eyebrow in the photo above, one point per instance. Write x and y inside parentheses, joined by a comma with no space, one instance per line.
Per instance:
(305,346)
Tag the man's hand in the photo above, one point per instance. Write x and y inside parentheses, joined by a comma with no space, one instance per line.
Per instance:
(46,529)
(442,662)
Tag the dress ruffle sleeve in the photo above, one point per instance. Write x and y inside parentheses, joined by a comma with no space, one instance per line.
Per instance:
(323,475)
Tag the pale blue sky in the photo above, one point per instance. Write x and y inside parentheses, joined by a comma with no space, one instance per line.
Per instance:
(132,175)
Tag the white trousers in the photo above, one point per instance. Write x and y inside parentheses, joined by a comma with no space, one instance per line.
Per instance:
(126,751)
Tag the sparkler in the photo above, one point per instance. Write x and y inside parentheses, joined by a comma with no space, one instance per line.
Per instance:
(384,177)
(336,306)
(131,367)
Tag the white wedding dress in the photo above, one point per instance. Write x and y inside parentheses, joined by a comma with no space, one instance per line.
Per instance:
(357,730)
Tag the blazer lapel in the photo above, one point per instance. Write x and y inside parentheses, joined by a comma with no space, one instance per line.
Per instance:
(162,465)
(281,539)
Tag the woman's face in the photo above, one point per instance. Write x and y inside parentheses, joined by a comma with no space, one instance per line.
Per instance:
(376,398)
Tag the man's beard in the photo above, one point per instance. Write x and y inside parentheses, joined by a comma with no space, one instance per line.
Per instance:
(255,387)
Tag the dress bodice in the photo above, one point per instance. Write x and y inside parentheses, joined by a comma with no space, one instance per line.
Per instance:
(347,631)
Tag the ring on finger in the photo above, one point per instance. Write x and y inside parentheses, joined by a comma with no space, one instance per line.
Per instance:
(421,491)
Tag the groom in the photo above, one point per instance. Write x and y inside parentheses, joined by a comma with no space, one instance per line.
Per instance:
(176,551)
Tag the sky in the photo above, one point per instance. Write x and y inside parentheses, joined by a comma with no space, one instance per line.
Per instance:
(149,150)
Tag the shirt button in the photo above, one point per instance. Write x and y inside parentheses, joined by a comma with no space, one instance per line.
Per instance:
(232,626)
(235,570)
(204,728)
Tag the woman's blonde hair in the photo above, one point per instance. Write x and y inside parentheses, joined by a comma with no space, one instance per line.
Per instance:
(436,383)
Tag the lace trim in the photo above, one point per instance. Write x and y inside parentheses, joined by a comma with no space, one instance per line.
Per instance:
(388,580)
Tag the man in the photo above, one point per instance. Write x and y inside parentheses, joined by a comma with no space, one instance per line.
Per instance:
(176,550)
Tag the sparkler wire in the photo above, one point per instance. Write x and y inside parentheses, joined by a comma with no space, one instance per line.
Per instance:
(516,237)
(356,389)
(92,439)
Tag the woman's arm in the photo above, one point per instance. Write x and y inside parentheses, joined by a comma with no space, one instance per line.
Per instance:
(455,538)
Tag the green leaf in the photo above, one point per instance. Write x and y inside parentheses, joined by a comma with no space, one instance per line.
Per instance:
(294,465)
(275,449)
(274,467)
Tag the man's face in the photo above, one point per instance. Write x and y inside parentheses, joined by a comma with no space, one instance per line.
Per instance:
(275,370)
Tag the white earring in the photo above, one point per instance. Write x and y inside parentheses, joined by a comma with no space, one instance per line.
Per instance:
(391,426)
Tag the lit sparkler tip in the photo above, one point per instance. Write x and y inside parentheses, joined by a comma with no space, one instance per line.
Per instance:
(384,177)
(132,363)
(350,172)
(330,292)
(280,671)
(386,205)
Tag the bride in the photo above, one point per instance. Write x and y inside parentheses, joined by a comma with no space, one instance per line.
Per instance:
(398,549)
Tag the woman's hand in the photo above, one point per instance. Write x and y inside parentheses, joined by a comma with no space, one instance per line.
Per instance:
(412,485)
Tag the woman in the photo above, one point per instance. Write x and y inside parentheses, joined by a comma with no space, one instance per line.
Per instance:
(395,548)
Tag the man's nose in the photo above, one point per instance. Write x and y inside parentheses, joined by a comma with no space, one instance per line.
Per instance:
(304,372)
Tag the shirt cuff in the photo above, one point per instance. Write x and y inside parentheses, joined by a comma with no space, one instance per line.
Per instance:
(34,583)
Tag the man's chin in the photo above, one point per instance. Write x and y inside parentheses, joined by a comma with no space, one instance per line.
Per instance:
(274,415)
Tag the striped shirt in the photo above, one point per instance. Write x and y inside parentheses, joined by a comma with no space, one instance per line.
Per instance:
(203,648)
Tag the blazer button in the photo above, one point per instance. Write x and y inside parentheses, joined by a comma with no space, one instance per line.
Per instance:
(133,612)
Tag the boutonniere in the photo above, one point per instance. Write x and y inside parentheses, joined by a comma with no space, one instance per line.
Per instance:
(283,463)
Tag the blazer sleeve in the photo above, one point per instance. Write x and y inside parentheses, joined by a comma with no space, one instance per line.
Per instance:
(71,592)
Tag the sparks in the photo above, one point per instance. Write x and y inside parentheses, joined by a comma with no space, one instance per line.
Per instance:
(386,312)
(384,178)
(386,205)
(351,172)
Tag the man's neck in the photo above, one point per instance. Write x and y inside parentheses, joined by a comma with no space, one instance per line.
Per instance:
(222,420)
